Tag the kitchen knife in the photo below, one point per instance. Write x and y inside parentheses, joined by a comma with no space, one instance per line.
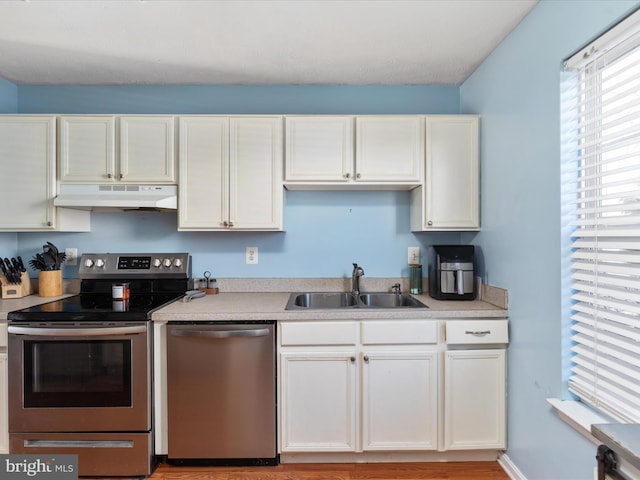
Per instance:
(4,270)
(16,268)
(11,274)
(21,264)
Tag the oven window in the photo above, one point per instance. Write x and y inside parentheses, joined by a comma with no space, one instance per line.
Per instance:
(82,373)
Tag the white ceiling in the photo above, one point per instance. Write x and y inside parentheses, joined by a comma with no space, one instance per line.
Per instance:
(251,42)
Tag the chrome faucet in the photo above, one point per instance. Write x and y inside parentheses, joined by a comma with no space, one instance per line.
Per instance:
(355,279)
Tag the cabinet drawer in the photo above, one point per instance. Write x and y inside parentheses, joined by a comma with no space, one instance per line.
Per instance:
(3,335)
(318,333)
(399,332)
(477,331)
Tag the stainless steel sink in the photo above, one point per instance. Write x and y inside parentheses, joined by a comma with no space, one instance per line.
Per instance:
(390,300)
(321,300)
(341,300)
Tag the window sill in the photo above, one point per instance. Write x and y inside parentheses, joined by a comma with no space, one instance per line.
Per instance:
(579,416)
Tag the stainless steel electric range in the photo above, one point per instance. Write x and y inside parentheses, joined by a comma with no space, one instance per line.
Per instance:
(80,368)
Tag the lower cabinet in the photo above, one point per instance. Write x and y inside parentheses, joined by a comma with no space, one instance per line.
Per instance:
(4,405)
(474,400)
(392,386)
(358,388)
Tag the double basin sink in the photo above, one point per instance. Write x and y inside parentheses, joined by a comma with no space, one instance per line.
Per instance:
(340,300)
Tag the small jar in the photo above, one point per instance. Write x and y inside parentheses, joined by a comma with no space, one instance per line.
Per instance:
(415,279)
(120,291)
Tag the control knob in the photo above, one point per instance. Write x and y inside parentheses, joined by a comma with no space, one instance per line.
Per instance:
(88,263)
(157,262)
(166,262)
(99,263)
(177,263)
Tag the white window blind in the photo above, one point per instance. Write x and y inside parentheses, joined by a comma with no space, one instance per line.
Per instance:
(601,182)
(601,188)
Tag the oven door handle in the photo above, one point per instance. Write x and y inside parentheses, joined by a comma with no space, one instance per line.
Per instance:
(77,332)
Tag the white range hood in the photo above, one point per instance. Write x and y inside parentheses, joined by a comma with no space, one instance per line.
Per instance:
(118,197)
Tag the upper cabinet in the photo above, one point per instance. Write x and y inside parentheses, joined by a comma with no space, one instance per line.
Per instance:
(347,151)
(230,173)
(449,198)
(126,149)
(28,158)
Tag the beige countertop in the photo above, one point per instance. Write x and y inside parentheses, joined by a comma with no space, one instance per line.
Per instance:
(271,306)
(237,306)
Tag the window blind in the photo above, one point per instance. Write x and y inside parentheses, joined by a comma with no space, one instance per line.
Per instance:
(601,182)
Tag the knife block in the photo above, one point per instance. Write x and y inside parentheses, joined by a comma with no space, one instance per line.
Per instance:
(12,290)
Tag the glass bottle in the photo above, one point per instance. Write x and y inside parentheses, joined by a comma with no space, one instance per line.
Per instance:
(415,279)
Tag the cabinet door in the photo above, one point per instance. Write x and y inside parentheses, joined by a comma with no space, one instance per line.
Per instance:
(451,196)
(147,150)
(28,176)
(4,405)
(319,149)
(255,173)
(87,149)
(203,202)
(400,392)
(474,400)
(389,149)
(318,402)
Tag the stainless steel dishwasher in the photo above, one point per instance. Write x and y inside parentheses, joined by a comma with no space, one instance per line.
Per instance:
(221,393)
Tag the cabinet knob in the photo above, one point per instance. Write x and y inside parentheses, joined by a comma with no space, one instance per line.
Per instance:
(109,175)
(121,176)
(429,223)
(366,359)
(231,223)
(347,175)
(353,359)
(49,223)
(358,175)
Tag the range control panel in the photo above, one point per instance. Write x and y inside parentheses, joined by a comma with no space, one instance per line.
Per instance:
(122,265)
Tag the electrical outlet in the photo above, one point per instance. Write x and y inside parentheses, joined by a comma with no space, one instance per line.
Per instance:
(71,256)
(251,255)
(414,255)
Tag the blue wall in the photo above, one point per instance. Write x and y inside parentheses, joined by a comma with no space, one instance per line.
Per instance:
(325,231)
(8,97)
(516,90)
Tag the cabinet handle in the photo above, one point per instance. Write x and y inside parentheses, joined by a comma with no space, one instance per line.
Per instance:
(231,223)
(49,223)
(347,175)
(358,175)
(109,175)
(366,359)
(353,359)
(478,333)
(429,223)
(121,176)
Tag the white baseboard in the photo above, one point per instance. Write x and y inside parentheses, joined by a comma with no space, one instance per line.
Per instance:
(510,468)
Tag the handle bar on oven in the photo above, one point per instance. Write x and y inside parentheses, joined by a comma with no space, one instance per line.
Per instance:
(77,332)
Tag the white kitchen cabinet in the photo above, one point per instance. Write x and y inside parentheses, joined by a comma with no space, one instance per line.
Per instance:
(143,151)
(351,152)
(449,198)
(318,401)
(389,149)
(230,173)
(399,400)
(475,384)
(28,158)
(358,386)
(4,391)
(4,405)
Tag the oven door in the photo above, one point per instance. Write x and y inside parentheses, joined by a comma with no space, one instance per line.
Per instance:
(71,378)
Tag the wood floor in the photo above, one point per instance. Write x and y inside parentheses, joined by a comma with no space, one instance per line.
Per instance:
(342,471)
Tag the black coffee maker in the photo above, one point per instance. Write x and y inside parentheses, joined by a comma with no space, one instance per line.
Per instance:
(452,272)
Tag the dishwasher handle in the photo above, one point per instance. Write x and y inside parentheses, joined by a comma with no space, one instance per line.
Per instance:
(187,332)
